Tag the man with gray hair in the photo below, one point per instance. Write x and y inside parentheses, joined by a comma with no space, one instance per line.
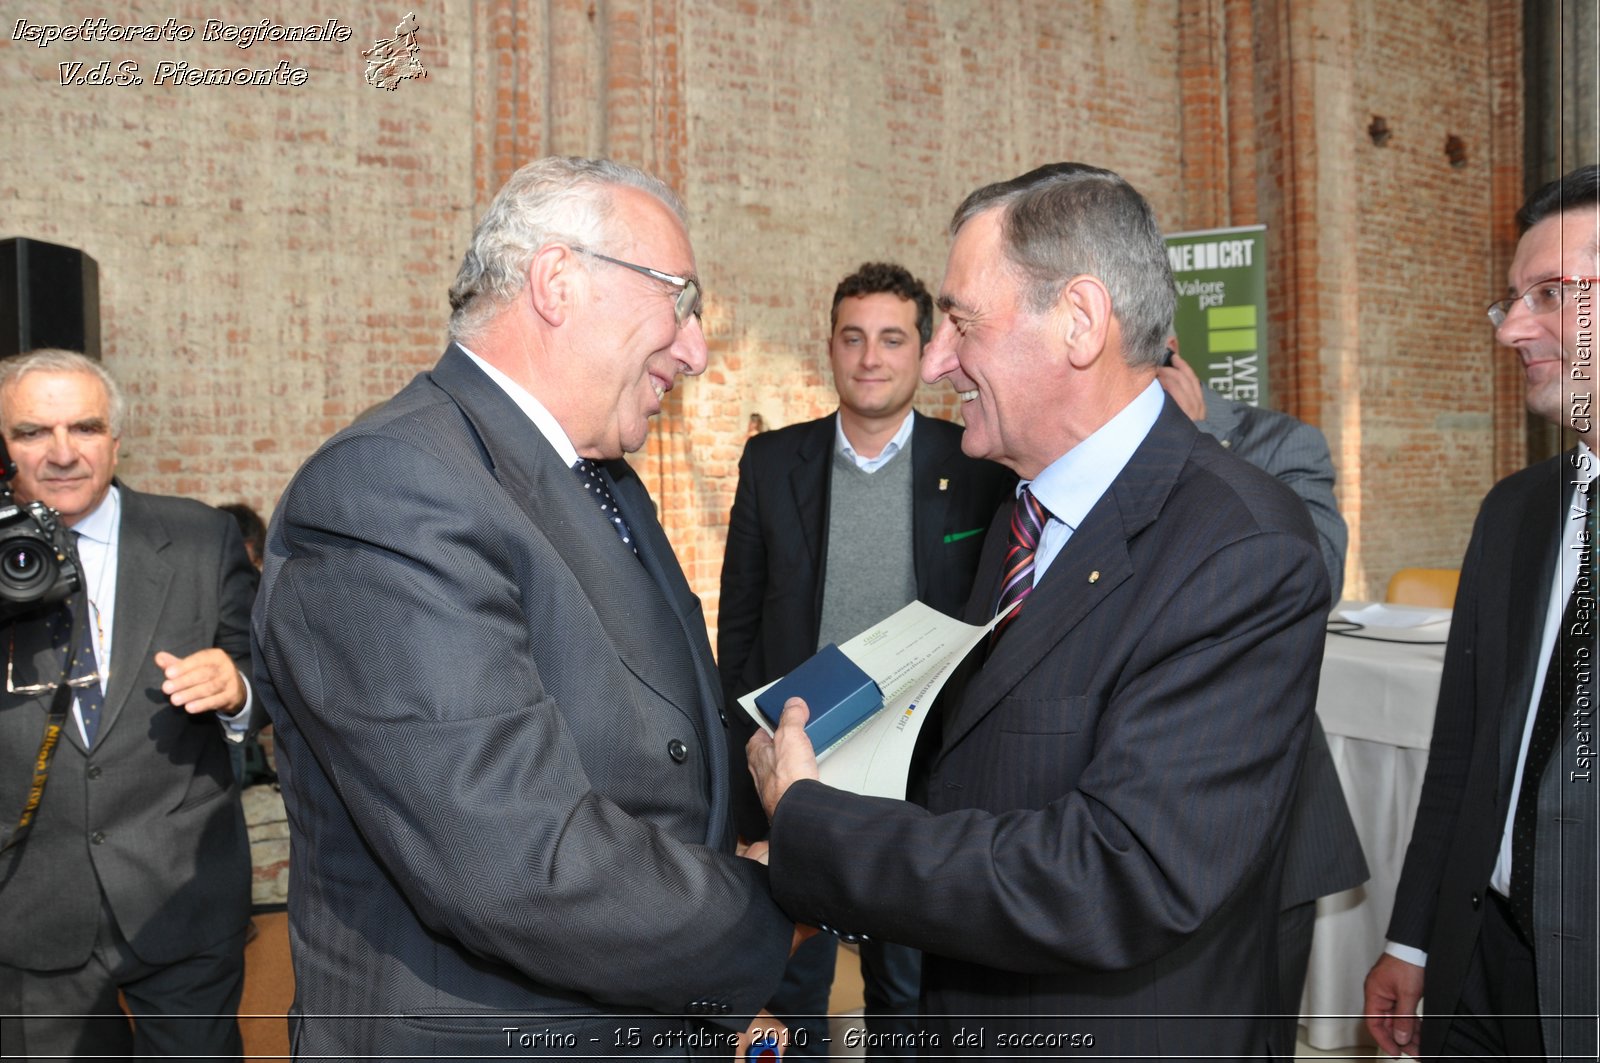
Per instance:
(500,729)
(1099,861)
(133,879)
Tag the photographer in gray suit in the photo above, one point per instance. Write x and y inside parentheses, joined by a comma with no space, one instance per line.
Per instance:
(500,729)
(135,876)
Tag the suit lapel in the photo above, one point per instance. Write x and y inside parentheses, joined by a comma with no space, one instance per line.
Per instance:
(809,479)
(624,594)
(144,579)
(929,504)
(1092,564)
(655,551)
(1533,568)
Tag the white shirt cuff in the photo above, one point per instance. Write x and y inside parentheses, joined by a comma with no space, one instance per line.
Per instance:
(1406,953)
(235,727)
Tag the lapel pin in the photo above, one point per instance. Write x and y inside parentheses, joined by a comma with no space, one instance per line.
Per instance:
(1094,577)
(944,485)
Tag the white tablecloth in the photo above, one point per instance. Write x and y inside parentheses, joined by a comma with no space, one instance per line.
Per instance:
(1376,702)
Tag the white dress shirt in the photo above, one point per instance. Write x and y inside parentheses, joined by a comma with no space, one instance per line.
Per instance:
(98,537)
(841,445)
(1070,486)
(542,418)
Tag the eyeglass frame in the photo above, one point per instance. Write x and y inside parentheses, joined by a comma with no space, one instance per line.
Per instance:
(31,689)
(1499,310)
(689,290)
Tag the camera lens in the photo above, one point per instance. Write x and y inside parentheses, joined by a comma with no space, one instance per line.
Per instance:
(23,565)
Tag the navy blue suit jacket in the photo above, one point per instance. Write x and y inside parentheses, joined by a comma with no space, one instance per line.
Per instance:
(1101,852)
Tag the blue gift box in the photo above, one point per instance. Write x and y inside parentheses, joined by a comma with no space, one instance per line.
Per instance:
(838,693)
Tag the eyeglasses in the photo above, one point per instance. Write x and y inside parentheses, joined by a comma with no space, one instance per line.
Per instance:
(30,689)
(688,300)
(1541,297)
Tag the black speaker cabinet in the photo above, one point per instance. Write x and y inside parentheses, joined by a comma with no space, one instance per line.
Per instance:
(49,297)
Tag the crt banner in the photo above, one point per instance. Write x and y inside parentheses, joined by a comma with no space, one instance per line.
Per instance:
(1222,308)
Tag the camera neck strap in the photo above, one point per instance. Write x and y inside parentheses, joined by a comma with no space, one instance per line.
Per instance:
(54,722)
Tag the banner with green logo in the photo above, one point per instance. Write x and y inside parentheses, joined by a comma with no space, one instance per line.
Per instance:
(1221,321)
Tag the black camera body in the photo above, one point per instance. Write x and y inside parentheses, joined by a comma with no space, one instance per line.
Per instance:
(38,562)
(38,566)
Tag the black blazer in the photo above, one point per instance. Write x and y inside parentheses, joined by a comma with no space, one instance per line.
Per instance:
(1101,851)
(152,812)
(1489,669)
(770,614)
(770,610)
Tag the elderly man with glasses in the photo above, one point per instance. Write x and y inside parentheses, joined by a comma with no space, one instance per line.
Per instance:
(500,728)
(1494,923)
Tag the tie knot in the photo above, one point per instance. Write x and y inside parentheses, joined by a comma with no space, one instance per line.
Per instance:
(589,475)
(1030,515)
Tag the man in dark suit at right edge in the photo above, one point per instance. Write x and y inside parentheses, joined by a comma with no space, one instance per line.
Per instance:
(1100,859)
(1494,918)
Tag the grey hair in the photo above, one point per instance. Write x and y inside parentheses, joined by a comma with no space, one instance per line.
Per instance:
(55,360)
(1067,219)
(556,199)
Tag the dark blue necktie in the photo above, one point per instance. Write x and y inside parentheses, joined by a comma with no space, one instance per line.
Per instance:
(73,639)
(1571,668)
(595,484)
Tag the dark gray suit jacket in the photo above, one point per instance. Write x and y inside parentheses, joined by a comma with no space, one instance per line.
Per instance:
(1324,851)
(152,813)
(501,749)
(1100,853)
(1477,731)
(1296,454)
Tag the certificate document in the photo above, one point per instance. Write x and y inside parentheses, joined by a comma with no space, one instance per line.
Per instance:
(909,655)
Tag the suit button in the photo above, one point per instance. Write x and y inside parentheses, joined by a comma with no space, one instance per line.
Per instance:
(1477,900)
(94,771)
(723,716)
(98,837)
(677,751)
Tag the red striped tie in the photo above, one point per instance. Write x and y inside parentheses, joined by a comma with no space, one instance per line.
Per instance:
(1027,521)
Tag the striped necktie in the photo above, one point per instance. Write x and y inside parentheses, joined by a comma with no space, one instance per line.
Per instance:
(1027,522)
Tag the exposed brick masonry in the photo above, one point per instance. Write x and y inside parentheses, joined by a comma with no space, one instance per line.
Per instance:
(274,260)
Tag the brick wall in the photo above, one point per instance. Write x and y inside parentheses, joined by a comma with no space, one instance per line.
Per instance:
(275,259)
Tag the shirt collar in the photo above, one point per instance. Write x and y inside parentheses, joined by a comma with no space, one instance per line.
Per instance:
(1071,485)
(542,418)
(841,444)
(101,524)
